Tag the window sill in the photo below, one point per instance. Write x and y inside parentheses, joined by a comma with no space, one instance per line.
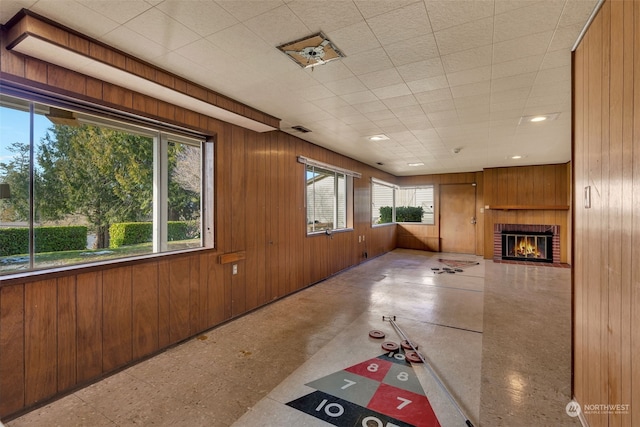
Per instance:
(330,232)
(51,273)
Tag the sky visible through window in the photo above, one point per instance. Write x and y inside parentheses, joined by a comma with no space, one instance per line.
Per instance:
(14,127)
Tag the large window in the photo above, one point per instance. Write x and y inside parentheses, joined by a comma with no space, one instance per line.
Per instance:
(328,197)
(79,188)
(391,204)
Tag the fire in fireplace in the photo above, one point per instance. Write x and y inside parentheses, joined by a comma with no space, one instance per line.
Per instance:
(527,246)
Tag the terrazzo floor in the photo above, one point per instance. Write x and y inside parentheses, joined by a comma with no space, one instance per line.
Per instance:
(498,335)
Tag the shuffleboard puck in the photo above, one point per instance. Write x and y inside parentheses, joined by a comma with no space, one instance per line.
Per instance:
(405,344)
(390,346)
(376,334)
(412,357)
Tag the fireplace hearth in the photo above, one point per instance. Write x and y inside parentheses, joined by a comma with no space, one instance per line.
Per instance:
(526,242)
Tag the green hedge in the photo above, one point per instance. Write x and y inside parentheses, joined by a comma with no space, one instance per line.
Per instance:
(403,214)
(14,241)
(132,233)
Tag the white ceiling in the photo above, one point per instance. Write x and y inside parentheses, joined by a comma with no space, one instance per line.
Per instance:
(433,76)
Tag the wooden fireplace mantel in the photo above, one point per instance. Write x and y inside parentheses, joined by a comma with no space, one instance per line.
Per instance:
(529,207)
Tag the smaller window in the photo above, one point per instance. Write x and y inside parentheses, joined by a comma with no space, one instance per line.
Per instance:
(415,204)
(328,197)
(382,196)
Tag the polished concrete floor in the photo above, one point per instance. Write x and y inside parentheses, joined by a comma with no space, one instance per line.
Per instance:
(497,335)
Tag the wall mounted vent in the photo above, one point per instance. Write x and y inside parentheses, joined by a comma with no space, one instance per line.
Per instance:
(300,129)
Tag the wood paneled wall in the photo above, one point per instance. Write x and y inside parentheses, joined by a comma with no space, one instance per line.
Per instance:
(427,237)
(60,331)
(528,195)
(606,154)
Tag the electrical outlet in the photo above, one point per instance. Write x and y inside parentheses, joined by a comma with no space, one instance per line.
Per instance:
(235,269)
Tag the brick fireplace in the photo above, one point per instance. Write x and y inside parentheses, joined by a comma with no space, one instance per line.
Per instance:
(511,233)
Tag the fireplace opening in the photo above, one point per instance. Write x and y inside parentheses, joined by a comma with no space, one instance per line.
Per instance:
(527,246)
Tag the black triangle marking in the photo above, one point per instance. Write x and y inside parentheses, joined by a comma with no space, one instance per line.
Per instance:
(338,412)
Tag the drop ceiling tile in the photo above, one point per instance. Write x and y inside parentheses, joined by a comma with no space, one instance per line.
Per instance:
(202,16)
(401,24)
(437,117)
(359,97)
(392,91)
(74,15)
(278,26)
(445,14)
(526,21)
(407,111)
(381,78)
(200,52)
(345,110)
(240,42)
(313,93)
(503,6)
(466,36)
(524,65)
(345,86)
(480,88)
(367,128)
(119,11)
(434,96)
(474,75)
(508,108)
(553,75)
(156,25)
(432,107)
(371,8)
(467,59)
(577,12)
(564,38)
(400,101)
(332,15)
(368,107)
(510,95)
(535,44)
(362,63)
(413,50)
(247,9)
(417,122)
(355,119)
(472,101)
(330,103)
(513,82)
(353,39)
(421,69)
(137,44)
(429,84)
(329,72)
(380,115)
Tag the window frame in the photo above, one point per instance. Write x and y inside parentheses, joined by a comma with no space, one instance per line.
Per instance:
(348,196)
(396,188)
(162,134)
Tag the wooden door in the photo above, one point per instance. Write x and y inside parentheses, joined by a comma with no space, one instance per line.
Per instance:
(457,218)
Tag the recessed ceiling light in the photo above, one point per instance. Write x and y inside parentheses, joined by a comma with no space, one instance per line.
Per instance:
(380,137)
(416,164)
(538,118)
(516,157)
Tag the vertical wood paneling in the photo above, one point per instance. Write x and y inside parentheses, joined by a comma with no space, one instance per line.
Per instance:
(12,333)
(164,304)
(606,236)
(89,312)
(179,291)
(66,334)
(117,320)
(40,347)
(145,298)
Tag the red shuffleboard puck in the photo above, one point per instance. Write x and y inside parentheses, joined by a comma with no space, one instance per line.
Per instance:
(405,344)
(390,346)
(376,334)
(412,356)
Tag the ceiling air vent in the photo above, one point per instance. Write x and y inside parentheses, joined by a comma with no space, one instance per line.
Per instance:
(312,50)
(300,129)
